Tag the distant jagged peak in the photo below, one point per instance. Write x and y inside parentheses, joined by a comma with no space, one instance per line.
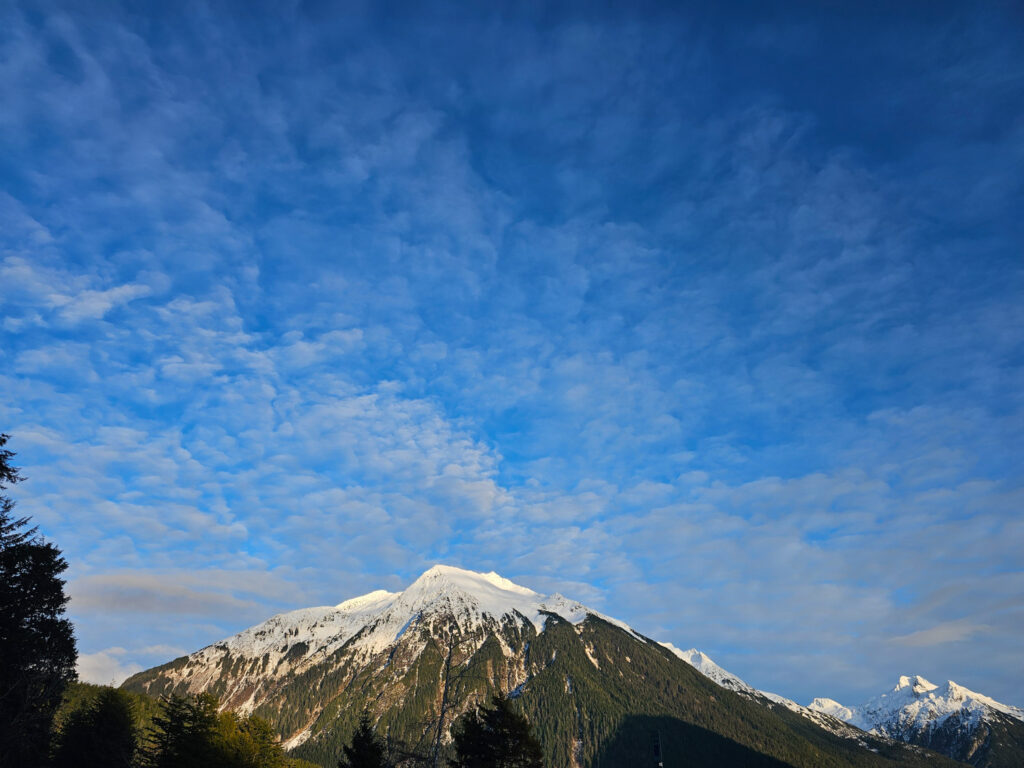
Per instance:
(951,695)
(915,683)
(823,701)
(918,704)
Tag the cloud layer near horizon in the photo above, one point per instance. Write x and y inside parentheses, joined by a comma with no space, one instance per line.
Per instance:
(294,306)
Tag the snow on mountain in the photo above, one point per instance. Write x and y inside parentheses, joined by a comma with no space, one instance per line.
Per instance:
(475,596)
(703,664)
(372,622)
(833,708)
(913,705)
(916,704)
(820,717)
(326,627)
(368,628)
(950,719)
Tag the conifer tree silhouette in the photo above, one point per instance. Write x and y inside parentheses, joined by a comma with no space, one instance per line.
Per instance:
(37,644)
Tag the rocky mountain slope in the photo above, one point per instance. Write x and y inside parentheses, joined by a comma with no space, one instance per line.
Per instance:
(826,720)
(596,691)
(951,719)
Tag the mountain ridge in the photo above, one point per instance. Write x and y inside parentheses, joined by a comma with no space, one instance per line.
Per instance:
(422,657)
(951,719)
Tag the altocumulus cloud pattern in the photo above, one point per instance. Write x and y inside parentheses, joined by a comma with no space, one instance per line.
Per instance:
(710,318)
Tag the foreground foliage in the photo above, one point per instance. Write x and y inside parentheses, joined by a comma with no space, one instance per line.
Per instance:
(495,738)
(103,727)
(191,733)
(37,645)
(103,733)
(367,749)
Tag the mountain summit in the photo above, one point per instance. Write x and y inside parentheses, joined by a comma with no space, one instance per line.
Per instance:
(950,718)
(370,623)
(593,688)
(475,599)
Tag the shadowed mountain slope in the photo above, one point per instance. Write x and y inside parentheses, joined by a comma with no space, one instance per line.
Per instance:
(590,685)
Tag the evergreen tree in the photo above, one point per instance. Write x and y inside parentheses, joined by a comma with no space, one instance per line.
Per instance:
(102,734)
(366,750)
(37,645)
(190,733)
(185,735)
(250,742)
(496,738)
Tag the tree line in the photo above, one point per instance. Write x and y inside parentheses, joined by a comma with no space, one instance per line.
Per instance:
(109,727)
(106,729)
(486,737)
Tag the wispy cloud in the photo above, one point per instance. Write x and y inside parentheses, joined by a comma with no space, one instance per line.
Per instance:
(293,308)
(947,632)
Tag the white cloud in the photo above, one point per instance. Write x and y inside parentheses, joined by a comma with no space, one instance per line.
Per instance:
(106,667)
(93,305)
(947,632)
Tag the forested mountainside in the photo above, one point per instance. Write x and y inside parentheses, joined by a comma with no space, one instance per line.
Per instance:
(595,691)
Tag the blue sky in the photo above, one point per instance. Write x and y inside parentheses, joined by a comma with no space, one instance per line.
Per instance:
(709,317)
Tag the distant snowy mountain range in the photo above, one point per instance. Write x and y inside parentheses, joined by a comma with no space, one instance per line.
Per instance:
(420,658)
(950,719)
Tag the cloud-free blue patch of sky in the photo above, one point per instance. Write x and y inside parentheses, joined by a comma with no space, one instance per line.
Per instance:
(708,316)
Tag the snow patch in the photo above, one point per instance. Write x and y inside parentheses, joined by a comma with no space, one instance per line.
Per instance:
(703,664)
(789,704)
(916,704)
(832,708)
(363,601)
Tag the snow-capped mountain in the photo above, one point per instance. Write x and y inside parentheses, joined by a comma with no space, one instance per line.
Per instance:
(369,624)
(826,720)
(703,664)
(420,658)
(950,718)
(916,703)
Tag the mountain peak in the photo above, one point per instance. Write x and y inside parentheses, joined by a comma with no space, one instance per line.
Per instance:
(472,596)
(917,684)
(445,578)
(439,570)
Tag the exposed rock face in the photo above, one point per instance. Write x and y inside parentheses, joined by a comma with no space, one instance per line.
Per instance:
(950,719)
(593,688)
